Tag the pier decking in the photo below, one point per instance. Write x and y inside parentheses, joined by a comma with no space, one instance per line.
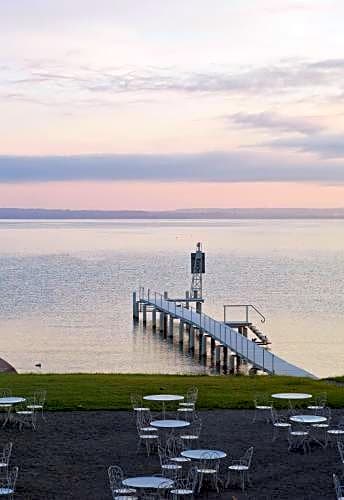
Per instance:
(221,335)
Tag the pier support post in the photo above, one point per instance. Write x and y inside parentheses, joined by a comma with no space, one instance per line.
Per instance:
(135,307)
(161,321)
(231,367)
(154,318)
(191,338)
(218,356)
(200,335)
(225,356)
(187,296)
(181,332)
(212,346)
(170,327)
(204,345)
(144,313)
(238,363)
(165,324)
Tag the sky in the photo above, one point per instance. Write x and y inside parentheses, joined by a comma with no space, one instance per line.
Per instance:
(150,104)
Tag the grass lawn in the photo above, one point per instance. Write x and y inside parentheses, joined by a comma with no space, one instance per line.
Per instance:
(112,391)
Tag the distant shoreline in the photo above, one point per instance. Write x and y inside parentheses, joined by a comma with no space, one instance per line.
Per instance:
(181,214)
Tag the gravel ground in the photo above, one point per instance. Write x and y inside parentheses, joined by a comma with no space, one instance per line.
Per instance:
(67,457)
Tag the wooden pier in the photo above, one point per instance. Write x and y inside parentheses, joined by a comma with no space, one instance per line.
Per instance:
(229,345)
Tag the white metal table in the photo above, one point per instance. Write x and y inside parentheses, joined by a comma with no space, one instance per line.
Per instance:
(169,424)
(199,454)
(144,482)
(163,398)
(308,419)
(291,395)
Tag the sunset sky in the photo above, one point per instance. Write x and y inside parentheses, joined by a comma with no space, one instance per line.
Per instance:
(160,104)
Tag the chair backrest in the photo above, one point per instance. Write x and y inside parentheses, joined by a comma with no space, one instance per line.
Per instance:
(143,419)
(274,416)
(12,478)
(174,445)
(247,458)
(115,474)
(210,460)
(338,487)
(163,455)
(192,394)
(39,396)
(195,427)
(6,453)
(136,400)
(261,398)
(340,445)
(5,393)
(192,478)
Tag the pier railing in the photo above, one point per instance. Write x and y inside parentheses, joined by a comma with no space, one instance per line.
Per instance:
(246,308)
(231,338)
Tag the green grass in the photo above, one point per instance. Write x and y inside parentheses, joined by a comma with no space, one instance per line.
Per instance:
(111,391)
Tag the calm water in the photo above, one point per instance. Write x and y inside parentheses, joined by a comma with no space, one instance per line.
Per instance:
(65,289)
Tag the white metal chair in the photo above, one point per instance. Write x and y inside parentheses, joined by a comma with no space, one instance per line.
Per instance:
(147,435)
(8,484)
(24,416)
(190,436)
(262,406)
(319,431)
(137,403)
(5,409)
(340,445)
(38,402)
(319,402)
(208,471)
(185,487)
(241,467)
(279,423)
(169,468)
(336,432)
(5,456)
(118,490)
(339,487)
(174,447)
(190,398)
(298,438)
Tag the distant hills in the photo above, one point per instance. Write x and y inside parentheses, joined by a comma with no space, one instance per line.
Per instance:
(198,213)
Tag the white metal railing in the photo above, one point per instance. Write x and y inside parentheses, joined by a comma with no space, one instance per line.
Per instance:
(231,338)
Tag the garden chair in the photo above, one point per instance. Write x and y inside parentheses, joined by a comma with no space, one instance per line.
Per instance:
(319,431)
(38,402)
(298,438)
(169,468)
(319,402)
(174,447)
(147,435)
(190,398)
(118,490)
(340,445)
(185,487)
(262,406)
(190,436)
(5,409)
(279,423)
(5,456)
(336,432)
(137,403)
(208,471)
(24,416)
(8,484)
(241,467)
(338,487)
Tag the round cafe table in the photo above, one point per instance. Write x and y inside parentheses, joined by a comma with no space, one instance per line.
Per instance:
(308,419)
(163,398)
(199,454)
(151,482)
(169,424)
(291,395)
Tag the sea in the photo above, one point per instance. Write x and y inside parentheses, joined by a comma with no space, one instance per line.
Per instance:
(66,290)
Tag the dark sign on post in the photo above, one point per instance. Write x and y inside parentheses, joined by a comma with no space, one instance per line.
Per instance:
(198,265)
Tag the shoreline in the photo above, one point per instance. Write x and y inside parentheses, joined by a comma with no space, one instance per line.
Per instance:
(6,367)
